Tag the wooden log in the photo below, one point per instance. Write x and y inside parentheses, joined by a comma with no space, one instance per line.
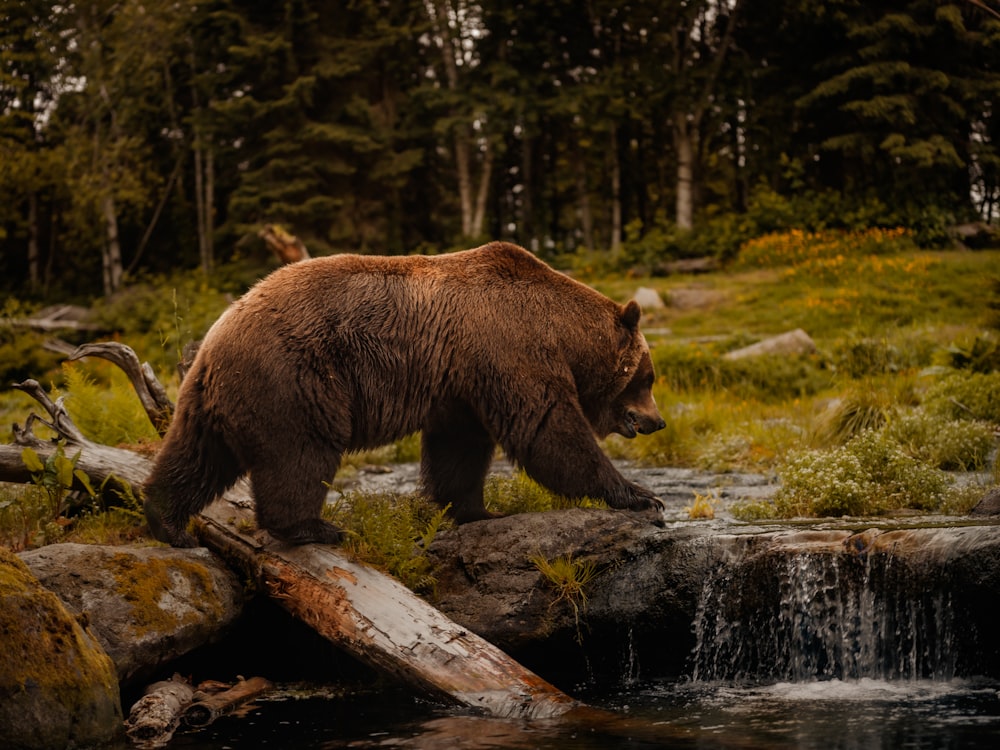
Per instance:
(152,395)
(369,614)
(154,718)
(381,622)
(207,707)
(286,246)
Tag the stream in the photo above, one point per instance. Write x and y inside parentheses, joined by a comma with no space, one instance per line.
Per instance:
(832,663)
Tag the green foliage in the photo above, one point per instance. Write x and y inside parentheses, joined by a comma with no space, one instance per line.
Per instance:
(106,412)
(861,408)
(160,316)
(519,493)
(979,353)
(870,475)
(952,445)
(691,367)
(569,578)
(39,514)
(966,395)
(391,532)
(22,351)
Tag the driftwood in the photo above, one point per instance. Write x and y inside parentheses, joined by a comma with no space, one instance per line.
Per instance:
(286,246)
(58,318)
(209,706)
(155,717)
(153,396)
(369,614)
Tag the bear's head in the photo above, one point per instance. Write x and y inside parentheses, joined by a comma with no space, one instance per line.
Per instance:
(632,410)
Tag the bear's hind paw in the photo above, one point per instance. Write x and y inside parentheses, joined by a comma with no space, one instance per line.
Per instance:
(313,531)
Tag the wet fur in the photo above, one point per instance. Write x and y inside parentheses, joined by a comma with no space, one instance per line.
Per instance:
(484,347)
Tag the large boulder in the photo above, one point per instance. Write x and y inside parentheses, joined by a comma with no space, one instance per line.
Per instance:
(57,685)
(145,605)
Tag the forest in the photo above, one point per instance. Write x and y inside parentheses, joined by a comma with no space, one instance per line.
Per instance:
(140,137)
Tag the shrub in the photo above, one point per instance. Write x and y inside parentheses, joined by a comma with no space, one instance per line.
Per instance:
(22,351)
(820,251)
(945,443)
(966,395)
(869,475)
(691,367)
(860,408)
(391,532)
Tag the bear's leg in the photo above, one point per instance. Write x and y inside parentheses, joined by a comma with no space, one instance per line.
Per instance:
(564,457)
(194,466)
(289,499)
(456,451)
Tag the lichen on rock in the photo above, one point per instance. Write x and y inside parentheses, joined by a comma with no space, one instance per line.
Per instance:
(58,688)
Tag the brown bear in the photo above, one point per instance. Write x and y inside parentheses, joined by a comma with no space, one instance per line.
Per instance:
(476,348)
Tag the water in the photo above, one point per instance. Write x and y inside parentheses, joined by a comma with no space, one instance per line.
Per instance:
(793,651)
(826,715)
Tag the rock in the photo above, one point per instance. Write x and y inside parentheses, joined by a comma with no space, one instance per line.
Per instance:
(694,298)
(145,605)
(974,235)
(654,578)
(706,264)
(989,505)
(57,685)
(792,342)
(648,299)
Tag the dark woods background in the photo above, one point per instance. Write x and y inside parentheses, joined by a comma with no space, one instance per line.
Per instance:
(145,136)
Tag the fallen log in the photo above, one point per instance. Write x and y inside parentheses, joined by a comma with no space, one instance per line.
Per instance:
(367,613)
(155,717)
(209,706)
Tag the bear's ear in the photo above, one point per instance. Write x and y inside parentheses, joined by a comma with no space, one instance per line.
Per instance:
(630,315)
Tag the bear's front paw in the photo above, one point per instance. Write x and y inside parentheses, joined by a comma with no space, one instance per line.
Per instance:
(642,499)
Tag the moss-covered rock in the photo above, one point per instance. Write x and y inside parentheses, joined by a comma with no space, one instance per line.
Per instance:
(58,687)
(146,605)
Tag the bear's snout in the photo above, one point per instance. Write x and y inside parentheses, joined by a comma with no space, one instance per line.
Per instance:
(639,423)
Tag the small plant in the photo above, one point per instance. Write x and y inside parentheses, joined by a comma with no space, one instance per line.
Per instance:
(519,493)
(703,506)
(109,413)
(391,532)
(569,578)
(861,408)
(37,514)
(56,476)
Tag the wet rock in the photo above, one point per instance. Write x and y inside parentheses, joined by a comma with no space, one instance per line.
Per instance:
(145,605)
(654,578)
(57,685)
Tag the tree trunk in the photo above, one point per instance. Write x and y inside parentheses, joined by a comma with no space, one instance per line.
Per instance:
(112,261)
(485,176)
(616,195)
(473,206)
(586,214)
(34,256)
(684,146)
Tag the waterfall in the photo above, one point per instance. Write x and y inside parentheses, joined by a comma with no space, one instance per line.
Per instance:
(801,616)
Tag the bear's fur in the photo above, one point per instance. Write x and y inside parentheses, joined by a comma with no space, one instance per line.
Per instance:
(476,348)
